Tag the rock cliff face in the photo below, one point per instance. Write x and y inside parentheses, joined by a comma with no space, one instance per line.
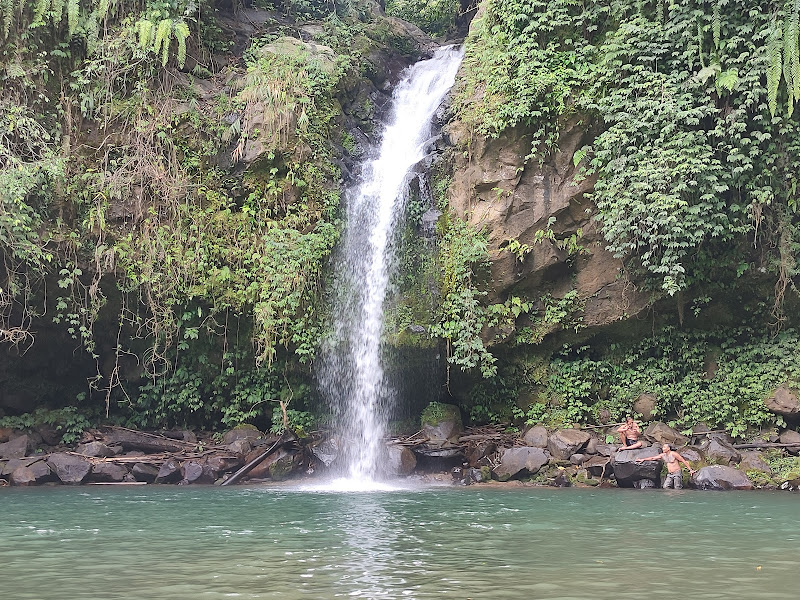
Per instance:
(541,204)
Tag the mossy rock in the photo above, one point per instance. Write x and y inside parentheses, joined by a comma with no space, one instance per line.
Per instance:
(438,412)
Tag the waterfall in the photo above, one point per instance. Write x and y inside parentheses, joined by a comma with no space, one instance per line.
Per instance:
(350,374)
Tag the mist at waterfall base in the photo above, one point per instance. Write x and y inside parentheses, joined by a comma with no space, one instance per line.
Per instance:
(350,372)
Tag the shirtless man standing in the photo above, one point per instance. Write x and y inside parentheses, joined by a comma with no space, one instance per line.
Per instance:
(673,460)
(629,434)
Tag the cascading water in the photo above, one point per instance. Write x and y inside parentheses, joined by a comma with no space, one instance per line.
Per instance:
(351,372)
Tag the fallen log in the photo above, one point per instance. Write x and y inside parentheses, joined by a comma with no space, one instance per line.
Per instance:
(130,439)
(286,436)
(765,445)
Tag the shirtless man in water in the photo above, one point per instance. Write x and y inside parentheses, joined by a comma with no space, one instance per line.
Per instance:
(673,460)
(629,434)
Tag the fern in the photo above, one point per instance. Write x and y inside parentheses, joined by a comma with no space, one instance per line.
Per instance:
(40,10)
(162,39)
(181,31)
(7,8)
(102,9)
(57,11)
(144,28)
(716,23)
(774,69)
(73,11)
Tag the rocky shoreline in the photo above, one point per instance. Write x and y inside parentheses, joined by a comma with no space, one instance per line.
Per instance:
(441,450)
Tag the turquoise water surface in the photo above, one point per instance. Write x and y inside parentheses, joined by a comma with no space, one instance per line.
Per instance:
(479,542)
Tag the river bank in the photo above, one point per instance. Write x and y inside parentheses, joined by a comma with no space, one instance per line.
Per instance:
(441,452)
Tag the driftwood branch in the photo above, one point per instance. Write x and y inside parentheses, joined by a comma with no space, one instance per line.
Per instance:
(258,460)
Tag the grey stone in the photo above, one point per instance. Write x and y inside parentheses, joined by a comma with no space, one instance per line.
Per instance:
(721,477)
(591,446)
(605,449)
(692,454)
(144,472)
(169,472)
(98,449)
(445,427)
(661,433)
(577,459)
(784,401)
(243,432)
(521,460)
(645,405)
(790,437)
(194,472)
(69,468)
(15,448)
(327,452)
(108,472)
(565,442)
(720,451)
(12,464)
(242,446)
(401,461)
(627,471)
(477,455)
(752,460)
(536,437)
(22,476)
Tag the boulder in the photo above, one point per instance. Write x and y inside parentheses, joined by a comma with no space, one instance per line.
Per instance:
(327,451)
(477,455)
(401,461)
(22,476)
(5,434)
(591,446)
(605,449)
(692,454)
(441,423)
(577,459)
(565,442)
(661,433)
(242,432)
(597,466)
(222,464)
(15,448)
(522,460)
(69,468)
(627,471)
(242,446)
(106,472)
(50,434)
(194,472)
(790,437)
(719,451)
(169,472)
(721,477)
(752,460)
(645,405)
(12,464)
(785,401)
(536,437)
(282,468)
(144,472)
(97,449)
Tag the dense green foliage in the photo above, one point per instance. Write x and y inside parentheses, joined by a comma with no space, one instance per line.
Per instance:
(720,377)
(437,17)
(188,205)
(693,104)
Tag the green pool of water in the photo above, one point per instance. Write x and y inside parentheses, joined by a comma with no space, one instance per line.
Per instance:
(159,543)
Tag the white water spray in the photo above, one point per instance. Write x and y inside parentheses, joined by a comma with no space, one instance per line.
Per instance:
(351,373)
